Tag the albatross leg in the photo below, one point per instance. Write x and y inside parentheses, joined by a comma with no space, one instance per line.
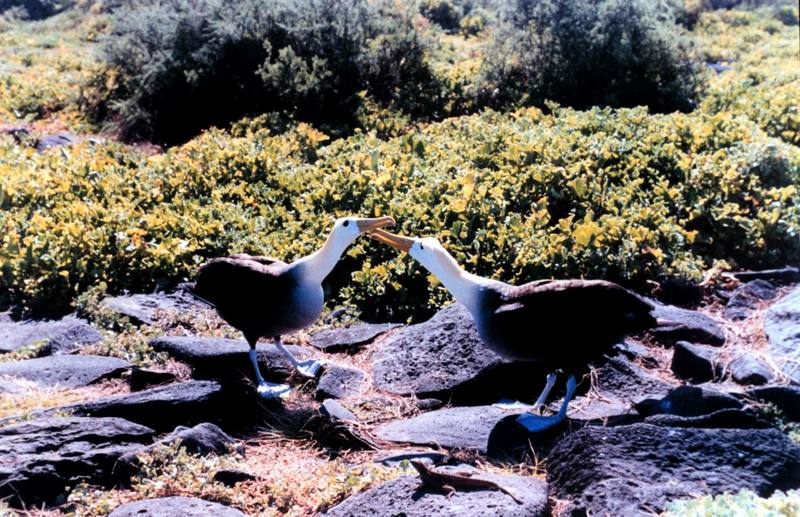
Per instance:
(515,405)
(551,380)
(308,368)
(534,423)
(266,389)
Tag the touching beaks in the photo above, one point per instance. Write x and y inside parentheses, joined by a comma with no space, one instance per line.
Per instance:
(396,241)
(369,225)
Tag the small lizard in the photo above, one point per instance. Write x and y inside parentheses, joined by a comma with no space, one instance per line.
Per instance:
(448,482)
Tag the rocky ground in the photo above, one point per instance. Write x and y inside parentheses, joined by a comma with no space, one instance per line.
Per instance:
(94,411)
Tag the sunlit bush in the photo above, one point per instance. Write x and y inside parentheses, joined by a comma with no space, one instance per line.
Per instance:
(743,504)
(621,194)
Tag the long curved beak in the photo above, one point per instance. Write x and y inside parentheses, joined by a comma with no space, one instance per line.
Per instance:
(395,241)
(369,225)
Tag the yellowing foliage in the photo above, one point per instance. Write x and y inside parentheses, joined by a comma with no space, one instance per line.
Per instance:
(614,194)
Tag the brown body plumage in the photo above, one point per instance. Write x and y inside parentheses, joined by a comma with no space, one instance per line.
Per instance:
(584,317)
(260,296)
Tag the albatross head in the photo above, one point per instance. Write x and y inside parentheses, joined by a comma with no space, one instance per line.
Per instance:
(426,250)
(434,257)
(347,229)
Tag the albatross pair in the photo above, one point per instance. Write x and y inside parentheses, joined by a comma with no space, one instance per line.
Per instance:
(561,323)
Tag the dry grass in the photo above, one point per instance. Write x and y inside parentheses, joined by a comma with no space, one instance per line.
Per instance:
(35,398)
(293,478)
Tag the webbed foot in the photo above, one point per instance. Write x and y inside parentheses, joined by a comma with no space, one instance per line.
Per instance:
(309,368)
(536,423)
(268,390)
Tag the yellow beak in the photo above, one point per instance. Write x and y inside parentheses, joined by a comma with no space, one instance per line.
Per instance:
(369,225)
(395,241)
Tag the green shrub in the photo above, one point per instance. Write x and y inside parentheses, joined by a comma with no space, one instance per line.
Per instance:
(178,66)
(593,53)
(743,504)
(443,13)
(622,195)
(764,80)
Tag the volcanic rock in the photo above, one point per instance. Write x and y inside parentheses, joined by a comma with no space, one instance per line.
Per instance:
(678,324)
(218,358)
(340,382)
(66,371)
(637,469)
(457,427)
(782,326)
(407,497)
(349,339)
(60,336)
(40,459)
(747,297)
(176,506)
(694,363)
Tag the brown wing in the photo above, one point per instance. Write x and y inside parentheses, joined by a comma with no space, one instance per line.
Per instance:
(244,291)
(261,259)
(565,315)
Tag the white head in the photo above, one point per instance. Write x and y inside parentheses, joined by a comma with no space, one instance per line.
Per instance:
(318,265)
(435,258)
(347,229)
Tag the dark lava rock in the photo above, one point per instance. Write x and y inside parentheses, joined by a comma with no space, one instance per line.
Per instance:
(786,398)
(232,477)
(406,497)
(428,404)
(337,412)
(57,140)
(164,408)
(205,438)
(445,358)
(747,297)
(176,506)
(634,350)
(688,401)
(676,324)
(458,427)
(40,459)
(721,419)
(349,339)
(620,384)
(340,382)
(66,371)
(637,469)
(218,358)
(396,458)
(749,370)
(59,336)
(144,308)
(694,363)
(143,378)
(786,275)
(782,326)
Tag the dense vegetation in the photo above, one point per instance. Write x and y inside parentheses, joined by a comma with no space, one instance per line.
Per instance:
(176,67)
(623,194)
(594,52)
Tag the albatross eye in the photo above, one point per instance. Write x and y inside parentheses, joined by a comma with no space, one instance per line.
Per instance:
(346,223)
(421,247)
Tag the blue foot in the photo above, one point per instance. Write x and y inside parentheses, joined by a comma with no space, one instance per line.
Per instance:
(309,368)
(536,423)
(268,390)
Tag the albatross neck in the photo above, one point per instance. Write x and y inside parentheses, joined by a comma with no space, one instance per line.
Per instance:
(318,265)
(466,288)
